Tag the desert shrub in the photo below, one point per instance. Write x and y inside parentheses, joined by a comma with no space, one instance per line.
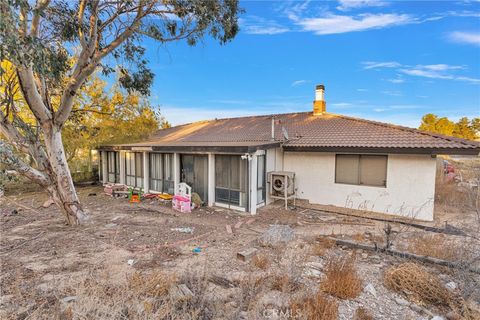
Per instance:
(434,245)
(283,282)
(341,280)
(260,261)
(314,307)
(423,288)
(362,314)
(155,284)
(321,245)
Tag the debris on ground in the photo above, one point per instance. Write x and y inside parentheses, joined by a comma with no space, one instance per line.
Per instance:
(183,230)
(130,262)
(247,254)
(228,228)
(276,235)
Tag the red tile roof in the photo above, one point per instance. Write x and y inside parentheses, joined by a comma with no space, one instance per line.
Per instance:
(306,131)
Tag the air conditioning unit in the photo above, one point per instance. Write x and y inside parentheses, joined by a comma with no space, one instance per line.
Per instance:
(282,185)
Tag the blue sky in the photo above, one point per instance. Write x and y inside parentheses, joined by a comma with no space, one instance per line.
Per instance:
(391,61)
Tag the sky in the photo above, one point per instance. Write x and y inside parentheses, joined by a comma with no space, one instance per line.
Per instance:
(390,61)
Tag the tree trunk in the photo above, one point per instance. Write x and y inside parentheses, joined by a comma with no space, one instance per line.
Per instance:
(62,189)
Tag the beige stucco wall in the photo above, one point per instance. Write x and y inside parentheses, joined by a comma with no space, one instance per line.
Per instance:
(410,184)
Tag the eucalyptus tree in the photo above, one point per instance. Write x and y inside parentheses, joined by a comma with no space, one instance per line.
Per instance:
(54,46)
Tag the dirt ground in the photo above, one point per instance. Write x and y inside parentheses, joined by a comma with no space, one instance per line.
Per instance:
(44,263)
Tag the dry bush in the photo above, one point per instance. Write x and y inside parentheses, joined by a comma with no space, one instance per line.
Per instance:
(155,284)
(316,307)
(250,289)
(341,280)
(449,194)
(321,246)
(260,261)
(362,314)
(434,245)
(284,283)
(424,288)
(142,296)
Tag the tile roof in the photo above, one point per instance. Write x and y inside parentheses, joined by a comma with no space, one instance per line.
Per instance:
(307,131)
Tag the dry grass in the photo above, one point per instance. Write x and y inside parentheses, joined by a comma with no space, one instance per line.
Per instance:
(362,314)
(322,245)
(284,283)
(425,288)
(317,307)
(341,280)
(434,245)
(260,261)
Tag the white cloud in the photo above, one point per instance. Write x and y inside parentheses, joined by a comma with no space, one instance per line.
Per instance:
(362,90)
(334,24)
(376,65)
(299,82)
(465,37)
(355,4)
(259,25)
(392,93)
(432,71)
(437,71)
(396,80)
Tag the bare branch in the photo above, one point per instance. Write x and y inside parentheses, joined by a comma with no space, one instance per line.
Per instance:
(36,17)
(8,157)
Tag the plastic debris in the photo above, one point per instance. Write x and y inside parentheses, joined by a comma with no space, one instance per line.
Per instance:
(197,250)
(130,262)
(183,230)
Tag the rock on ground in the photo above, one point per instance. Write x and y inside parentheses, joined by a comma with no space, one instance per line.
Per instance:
(276,235)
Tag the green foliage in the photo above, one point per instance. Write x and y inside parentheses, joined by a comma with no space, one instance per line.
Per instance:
(464,128)
(106,117)
(60,36)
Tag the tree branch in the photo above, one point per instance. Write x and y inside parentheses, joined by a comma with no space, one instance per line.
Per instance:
(36,17)
(8,157)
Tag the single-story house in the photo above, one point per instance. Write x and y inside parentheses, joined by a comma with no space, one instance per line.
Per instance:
(337,160)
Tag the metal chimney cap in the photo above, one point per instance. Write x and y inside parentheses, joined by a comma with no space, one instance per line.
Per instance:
(320,86)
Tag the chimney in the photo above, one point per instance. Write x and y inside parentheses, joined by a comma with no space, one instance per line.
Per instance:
(319,104)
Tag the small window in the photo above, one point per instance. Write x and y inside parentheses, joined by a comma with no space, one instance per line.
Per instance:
(370,170)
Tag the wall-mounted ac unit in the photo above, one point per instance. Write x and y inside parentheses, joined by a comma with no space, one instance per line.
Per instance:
(282,185)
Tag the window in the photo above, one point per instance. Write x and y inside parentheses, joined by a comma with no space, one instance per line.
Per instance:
(370,170)
(113,166)
(161,172)
(134,169)
(231,178)
(261,179)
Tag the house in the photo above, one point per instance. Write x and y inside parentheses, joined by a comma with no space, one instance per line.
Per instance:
(337,160)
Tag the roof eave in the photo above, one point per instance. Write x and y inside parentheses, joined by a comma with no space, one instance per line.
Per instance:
(206,148)
(431,151)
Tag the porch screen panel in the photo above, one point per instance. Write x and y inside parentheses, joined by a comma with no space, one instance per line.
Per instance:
(231,178)
(168,182)
(347,166)
(134,169)
(156,172)
(113,167)
(261,179)
(139,169)
(222,175)
(373,170)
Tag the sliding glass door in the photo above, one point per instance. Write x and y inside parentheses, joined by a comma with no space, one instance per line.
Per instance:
(231,180)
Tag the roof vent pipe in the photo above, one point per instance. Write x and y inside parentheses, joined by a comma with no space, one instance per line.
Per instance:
(319,104)
(273,128)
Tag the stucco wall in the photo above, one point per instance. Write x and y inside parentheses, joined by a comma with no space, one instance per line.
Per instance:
(410,184)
